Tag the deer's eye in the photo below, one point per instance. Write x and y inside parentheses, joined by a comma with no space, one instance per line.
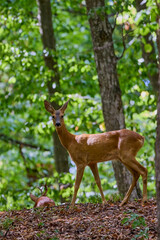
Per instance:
(61,116)
(52,117)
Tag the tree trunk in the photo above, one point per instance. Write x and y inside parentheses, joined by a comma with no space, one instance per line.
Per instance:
(106,62)
(157,157)
(50,58)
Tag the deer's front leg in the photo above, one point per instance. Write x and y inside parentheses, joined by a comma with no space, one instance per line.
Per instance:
(79,175)
(94,169)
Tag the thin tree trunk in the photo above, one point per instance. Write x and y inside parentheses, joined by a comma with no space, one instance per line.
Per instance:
(50,58)
(106,62)
(157,157)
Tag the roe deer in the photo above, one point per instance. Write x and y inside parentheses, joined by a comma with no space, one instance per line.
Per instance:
(90,149)
(43,200)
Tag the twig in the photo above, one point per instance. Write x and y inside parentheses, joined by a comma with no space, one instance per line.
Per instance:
(5,235)
(124,44)
(115,22)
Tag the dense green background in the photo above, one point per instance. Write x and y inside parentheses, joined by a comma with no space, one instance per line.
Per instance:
(23,90)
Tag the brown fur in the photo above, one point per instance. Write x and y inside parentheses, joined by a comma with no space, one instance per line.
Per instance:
(89,149)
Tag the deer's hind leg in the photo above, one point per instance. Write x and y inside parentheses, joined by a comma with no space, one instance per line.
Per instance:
(136,170)
(143,172)
(133,184)
(95,172)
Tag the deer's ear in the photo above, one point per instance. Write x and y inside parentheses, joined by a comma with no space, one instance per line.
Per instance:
(49,107)
(63,108)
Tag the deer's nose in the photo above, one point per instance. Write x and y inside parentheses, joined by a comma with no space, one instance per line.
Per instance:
(58,124)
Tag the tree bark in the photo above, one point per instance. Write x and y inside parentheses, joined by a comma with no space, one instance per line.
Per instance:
(149,57)
(106,63)
(50,58)
(157,157)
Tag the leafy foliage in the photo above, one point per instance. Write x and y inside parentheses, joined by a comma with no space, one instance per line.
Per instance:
(23,90)
(136,221)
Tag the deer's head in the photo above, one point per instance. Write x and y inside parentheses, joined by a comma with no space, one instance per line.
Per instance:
(57,115)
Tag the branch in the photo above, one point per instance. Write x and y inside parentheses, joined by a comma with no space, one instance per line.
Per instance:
(115,22)
(124,45)
(32,173)
(22,155)
(7,139)
(74,11)
(158,4)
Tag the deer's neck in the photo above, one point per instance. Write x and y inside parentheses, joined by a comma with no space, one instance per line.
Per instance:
(65,136)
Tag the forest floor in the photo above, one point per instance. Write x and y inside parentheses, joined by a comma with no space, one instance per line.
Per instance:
(84,221)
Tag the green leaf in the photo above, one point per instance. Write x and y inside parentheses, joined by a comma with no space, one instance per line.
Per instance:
(12,80)
(148,48)
(124,220)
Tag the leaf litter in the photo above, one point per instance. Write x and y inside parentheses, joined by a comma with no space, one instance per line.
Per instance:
(84,221)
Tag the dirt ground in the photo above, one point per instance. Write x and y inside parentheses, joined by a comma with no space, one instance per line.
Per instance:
(84,221)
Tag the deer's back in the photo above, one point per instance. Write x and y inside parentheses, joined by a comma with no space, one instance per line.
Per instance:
(105,146)
(88,148)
